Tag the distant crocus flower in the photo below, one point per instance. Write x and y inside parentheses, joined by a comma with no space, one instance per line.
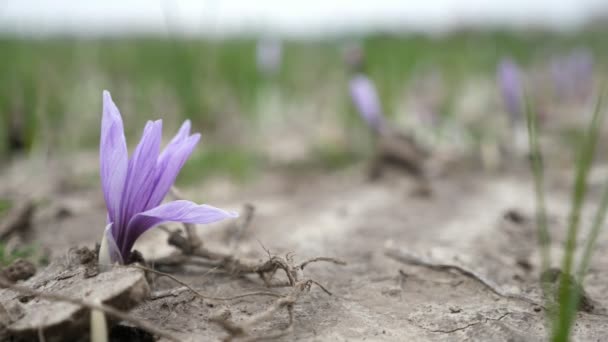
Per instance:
(573,74)
(509,81)
(134,188)
(582,64)
(269,55)
(365,98)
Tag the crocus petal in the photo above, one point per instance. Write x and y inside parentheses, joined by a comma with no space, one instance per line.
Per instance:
(176,211)
(169,164)
(113,157)
(365,98)
(108,251)
(511,88)
(182,134)
(141,172)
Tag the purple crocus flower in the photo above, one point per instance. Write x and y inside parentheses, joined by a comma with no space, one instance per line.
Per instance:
(134,188)
(573,74)
(581,61)
(509,80)
(365,98)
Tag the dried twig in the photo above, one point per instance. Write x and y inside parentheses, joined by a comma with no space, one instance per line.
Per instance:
(317,259)
(231,264)
(108,310)
(411,259)
(266,270)
(178,290)
(174,292)
(242,331)
(196,292)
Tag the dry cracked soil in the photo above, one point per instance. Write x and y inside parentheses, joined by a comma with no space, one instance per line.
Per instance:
(481,222)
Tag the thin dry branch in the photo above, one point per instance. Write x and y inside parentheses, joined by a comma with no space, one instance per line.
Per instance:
(173,292)
(198,253)
(242,331)
(108,310)
(196,292)
(411,259)
(317,259)
(237,266)
(266,271)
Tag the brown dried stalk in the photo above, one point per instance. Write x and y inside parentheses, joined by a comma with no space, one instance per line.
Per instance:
(172,292)
(411,259)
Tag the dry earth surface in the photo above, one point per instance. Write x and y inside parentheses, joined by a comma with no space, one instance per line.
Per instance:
(479,221)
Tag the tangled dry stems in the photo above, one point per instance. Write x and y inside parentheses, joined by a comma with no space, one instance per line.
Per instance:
(266,270)
(193,251)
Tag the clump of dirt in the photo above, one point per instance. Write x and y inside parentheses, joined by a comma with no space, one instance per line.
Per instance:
(121,288)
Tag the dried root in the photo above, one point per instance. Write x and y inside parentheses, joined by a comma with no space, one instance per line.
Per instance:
(266,270)
(193,252)
(550,277)
(411,259)
(244,331)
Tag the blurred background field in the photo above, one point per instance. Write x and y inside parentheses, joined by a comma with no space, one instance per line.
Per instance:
(54,86)
(273,90)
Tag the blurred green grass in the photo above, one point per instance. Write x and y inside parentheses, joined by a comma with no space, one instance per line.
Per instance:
(237,163)
(7,256)
(55,85)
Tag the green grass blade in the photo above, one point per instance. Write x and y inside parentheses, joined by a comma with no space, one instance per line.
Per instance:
(539,188)
(567,296)
(598,222)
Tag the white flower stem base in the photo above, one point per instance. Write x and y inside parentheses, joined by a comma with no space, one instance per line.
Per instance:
(109,253)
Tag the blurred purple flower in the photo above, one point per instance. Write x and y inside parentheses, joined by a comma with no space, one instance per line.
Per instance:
(509,81)
(365,98)
(573,74)
(134,188)
(269,54)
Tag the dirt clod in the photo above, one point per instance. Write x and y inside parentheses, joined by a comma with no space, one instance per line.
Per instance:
(19,269)
(121,288)
(515,216)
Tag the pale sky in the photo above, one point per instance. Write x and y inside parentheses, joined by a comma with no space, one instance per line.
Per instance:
(283,17)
